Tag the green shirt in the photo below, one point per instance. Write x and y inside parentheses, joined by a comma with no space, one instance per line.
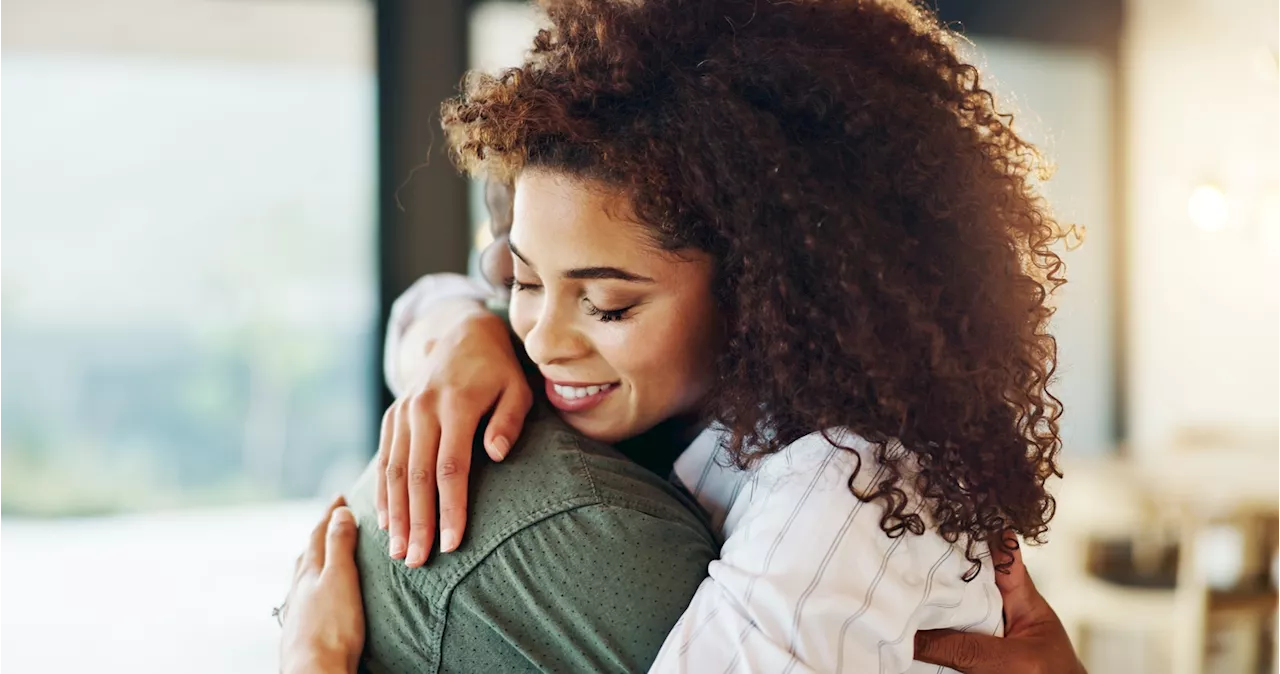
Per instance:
(576,559)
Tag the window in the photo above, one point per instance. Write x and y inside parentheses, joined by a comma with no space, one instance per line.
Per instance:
(190,318)
(499,35)
(188,272)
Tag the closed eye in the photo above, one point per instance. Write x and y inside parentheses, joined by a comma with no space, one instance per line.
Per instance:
(608,315)
(516,286)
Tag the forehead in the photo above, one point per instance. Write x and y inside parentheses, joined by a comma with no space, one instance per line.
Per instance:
(569,222)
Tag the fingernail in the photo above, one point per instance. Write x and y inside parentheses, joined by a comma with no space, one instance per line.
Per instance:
(414,557)
(448,540)
(397,547)
(501,447)
(382,520)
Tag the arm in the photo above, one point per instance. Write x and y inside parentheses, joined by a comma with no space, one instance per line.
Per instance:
(451,362)
(547,583)
(1034,639)
(322,623)
(419,315)
(808,582)
(432,306)
(317,663)
(443,388)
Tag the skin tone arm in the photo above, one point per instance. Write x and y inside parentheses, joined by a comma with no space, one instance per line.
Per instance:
(418,339)
(459,364)
(424,453)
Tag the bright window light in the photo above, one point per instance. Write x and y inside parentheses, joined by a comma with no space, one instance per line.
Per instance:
(1268,220)
(1208,208)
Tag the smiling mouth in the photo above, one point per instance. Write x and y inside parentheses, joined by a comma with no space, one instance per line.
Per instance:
(573,392)
(574,398)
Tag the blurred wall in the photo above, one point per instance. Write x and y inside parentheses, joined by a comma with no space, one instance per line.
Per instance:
(1203,307)
(1060,97)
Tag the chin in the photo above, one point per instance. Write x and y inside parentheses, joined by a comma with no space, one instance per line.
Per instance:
(599,432)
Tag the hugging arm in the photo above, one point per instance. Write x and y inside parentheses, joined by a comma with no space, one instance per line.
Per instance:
(449,363)
(323,626)
(1034,638)
(813,584)
(469,369)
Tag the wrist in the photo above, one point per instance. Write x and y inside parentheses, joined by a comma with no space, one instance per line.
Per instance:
(420,338)
(479,316)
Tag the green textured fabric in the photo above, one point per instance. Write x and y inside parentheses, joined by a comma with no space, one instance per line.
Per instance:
(575,559)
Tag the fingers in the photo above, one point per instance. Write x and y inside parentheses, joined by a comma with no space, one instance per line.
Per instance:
(384,451)
(340,540)
(313,558)
(452,468)
(1016,589)
(969,653)
(421,483)
(508,419)
(396,475)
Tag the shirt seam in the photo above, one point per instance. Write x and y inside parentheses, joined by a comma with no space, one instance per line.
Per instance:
(646,507)
(474,568)
(582,461)
(440,606)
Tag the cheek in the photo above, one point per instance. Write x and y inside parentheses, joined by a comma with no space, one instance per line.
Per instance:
(663,364)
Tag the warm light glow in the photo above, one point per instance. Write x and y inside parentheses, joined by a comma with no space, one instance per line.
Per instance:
(1266,63)
(1268,220)
(1208,208)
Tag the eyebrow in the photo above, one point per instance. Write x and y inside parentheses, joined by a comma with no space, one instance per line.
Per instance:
(589,273)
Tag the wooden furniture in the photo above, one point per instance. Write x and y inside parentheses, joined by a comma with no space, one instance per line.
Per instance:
(1217,505)
(1210,488)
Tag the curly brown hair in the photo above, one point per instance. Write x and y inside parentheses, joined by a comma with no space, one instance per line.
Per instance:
(883,260)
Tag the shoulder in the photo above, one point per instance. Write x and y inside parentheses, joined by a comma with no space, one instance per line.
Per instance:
(552,470)
(815,488)
(560,492)
(592,587)
(810,569)
(815,466)
(832,456)
(553,529)
(812,472)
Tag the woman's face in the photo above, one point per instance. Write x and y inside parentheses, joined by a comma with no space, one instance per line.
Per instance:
(623,332)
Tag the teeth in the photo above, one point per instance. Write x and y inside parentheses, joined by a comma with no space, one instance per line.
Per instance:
(575,392)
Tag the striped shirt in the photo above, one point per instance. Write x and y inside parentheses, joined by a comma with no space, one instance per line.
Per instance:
(806,580)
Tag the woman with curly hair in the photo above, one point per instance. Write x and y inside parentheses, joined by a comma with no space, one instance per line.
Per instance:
(797,236)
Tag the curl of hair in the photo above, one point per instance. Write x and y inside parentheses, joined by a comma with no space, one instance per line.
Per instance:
(883,259)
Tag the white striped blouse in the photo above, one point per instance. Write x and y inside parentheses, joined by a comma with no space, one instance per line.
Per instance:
(806,580)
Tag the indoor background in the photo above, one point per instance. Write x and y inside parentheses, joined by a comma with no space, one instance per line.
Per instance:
(207,207)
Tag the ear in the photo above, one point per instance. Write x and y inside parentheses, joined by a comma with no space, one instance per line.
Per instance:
(495,264)
(499,199)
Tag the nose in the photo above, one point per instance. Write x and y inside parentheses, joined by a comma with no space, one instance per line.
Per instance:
(554,338)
